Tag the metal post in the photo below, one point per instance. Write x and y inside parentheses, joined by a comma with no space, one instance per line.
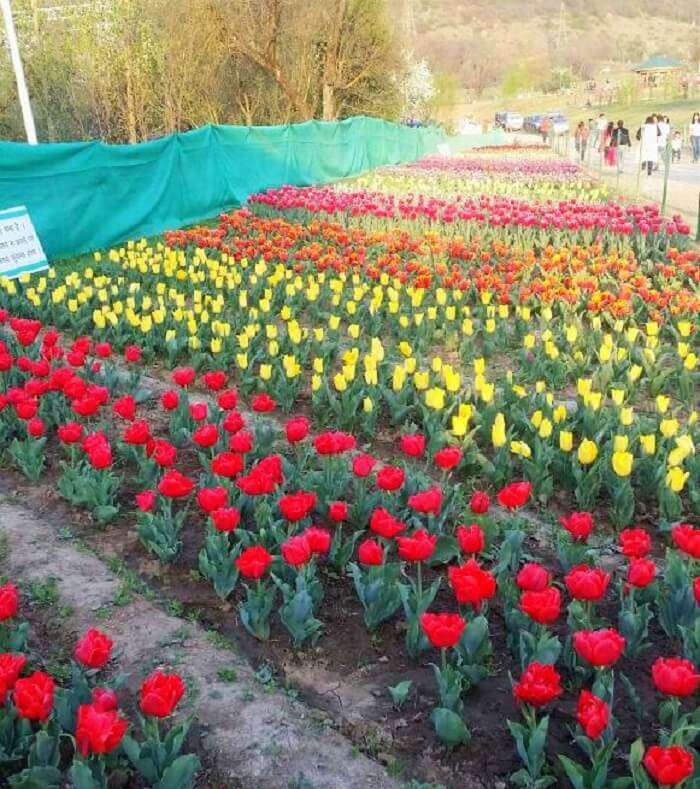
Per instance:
(697,232)
(667,167)
(22,91)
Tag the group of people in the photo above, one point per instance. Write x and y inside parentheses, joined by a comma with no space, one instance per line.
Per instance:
(611,139)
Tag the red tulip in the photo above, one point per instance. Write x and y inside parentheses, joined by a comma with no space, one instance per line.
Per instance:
(448,458)
(9,601)
(539,684)
(319,539)
(370,552)
(225,519)
(687,539)
(675,676)
(668,766)
(296,550)
(471,584)
(578,524)
(593,714)
(98,730)
(174,485)
(362,465)
(514,495)
(443,630)
(210,499)
(227,464)
(33,696)
(599,647)
(10,668)
(427,502)
(542,607)
(94,649)
(183,376)
(413,445)
(532,577)
(390,478)
(587,583)
(253,562)
(297,429)
(215,380)
(297,506)
(263,403)
(418,547)
(385,524)
(635,543)
(471,538)
(641,572)
(160,693)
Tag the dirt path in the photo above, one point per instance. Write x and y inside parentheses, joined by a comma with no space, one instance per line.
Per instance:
(255,737)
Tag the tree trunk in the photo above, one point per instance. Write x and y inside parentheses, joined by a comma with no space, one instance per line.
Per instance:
(130,105)
(329,109)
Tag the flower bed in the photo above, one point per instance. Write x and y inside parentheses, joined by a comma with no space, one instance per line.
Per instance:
(50,731)
(279,510)
(473,456)
(512,221)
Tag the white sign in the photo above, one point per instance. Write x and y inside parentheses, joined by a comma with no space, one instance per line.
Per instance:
(20,248)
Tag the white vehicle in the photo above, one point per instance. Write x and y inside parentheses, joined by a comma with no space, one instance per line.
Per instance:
(510,121)
(560,123)
(468,126)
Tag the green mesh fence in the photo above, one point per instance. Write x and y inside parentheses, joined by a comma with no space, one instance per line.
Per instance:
(86,195)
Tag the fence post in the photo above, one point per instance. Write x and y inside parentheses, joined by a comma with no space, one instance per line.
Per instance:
(697,231)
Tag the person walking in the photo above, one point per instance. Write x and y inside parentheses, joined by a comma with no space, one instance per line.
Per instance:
(581,140)
(648,135)
(695,136)
(600,126)
(609,151)
(676,146)
(545,128)
(664,126)
(620,140)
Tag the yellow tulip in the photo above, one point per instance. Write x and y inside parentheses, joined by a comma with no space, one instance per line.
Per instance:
(648,443)
(626,416)
(622,463)
(662,403)
(435,398)
(634,372)
(520,448)
(367,405)
(617,396)
(536,418)
(421,380)
(676,479)
(621,443)
(684,328)
(545,430)
(690,362)
(587,452)
(460,425)
(559,414)
(498,431)
(487,392)
(340,382)
(566,441)
(668,427)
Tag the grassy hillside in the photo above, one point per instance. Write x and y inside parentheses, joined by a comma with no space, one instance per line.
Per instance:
(490,47)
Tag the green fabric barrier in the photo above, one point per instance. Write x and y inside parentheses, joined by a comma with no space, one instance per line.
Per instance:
(88,195)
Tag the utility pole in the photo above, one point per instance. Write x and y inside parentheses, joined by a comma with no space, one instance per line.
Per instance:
(22,91)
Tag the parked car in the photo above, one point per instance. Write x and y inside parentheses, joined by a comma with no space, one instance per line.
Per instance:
(510,121)
(560,123)
(532,123)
